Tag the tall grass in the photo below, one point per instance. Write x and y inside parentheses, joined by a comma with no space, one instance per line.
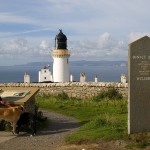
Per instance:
(110,94)
(100,119)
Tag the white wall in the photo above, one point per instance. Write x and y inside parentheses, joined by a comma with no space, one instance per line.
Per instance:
(45,75)
(60,69)
(26,78)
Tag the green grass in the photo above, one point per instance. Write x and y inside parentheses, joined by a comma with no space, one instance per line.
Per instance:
(138,145)
(105,126)
(105,119)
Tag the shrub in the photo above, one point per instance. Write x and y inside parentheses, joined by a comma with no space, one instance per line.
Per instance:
(111,93)
(62,96)
(5,126)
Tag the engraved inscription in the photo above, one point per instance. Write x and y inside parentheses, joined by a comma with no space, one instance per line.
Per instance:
(143,66)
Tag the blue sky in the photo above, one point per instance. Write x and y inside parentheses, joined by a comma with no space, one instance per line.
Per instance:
(96,29)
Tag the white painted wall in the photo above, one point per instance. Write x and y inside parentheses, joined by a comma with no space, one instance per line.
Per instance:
(45,75)
(96,79)
(71,78)
(60,69)
(26,78)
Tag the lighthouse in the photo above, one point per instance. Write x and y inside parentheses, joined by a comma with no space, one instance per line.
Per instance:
(60,56)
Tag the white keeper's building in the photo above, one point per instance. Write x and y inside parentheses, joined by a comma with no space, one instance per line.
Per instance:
(45,75)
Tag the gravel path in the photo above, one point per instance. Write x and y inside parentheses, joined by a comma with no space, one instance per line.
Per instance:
(53,137)
(48,139)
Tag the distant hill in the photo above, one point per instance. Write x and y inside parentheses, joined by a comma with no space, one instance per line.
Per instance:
(98,63)
(82,63)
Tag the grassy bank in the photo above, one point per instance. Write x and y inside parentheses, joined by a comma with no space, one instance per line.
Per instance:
(100,117)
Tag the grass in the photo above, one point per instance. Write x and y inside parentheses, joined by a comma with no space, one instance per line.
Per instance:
(103,119)
(138,145)
(139,140)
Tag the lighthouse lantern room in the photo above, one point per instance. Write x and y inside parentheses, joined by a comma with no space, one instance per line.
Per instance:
(60,59)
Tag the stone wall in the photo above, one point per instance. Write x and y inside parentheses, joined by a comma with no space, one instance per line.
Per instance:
(73,89)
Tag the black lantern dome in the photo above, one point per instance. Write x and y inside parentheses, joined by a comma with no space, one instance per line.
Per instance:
(60,40)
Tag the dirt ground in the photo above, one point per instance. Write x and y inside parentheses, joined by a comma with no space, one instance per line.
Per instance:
(113,145)
(53,138)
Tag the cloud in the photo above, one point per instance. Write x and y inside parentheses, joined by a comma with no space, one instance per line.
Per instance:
(14,47)
(44,44)
(133,36)
(105,41)
(9,17)
(78,17)
(21,47)
(95,29)
(104,48)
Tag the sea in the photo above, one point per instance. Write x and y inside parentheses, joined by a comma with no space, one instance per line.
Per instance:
(15,74)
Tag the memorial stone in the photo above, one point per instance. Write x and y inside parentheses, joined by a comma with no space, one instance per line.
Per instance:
(139,86)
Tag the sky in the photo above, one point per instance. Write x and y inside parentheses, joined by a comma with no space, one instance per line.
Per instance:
(95,29)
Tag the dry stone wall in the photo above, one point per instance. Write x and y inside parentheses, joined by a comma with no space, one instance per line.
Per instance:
(73,89)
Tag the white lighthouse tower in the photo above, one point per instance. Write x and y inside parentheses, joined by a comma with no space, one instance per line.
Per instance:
(61,59)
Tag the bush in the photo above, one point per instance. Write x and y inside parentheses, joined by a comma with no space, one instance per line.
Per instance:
(63,96)
(5,126)
(112,93)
